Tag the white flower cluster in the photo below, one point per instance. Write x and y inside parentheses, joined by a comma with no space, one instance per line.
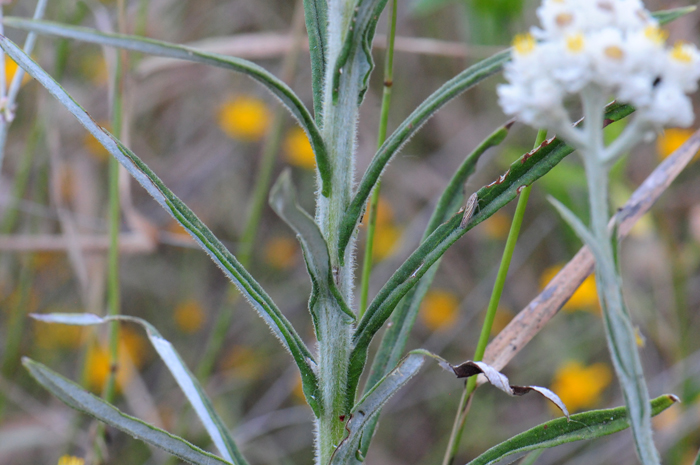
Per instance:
(613,44)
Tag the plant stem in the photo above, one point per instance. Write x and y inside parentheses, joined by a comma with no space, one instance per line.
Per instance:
(619,331)
(114,221)
(381,137)
(339,125)
(460,418)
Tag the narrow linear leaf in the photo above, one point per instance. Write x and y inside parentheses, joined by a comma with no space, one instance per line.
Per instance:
(357,46)
(283,200)
(155,47)
(372,402)
(577,225)
(316,16)
(441,97)
(522,172)
(245,283)
(451,89)
(499,380)
(188,383)
(393,342)
(76,397)
(581,426)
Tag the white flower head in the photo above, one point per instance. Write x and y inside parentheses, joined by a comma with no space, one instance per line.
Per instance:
(614,45)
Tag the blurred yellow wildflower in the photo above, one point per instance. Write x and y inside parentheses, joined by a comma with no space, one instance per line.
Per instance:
(189,316)
(55,336)
(70,460)
(439,309)
(498,226)
(243,362)
(386,238)
(501,320)
(585,297)
(385,214)
(281,252)
(132,354)
(11,68)
(245,118)
(670,140)
(297,149)
(580,387)
(94,67)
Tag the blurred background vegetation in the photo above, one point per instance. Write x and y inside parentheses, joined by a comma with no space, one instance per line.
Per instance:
(204,132)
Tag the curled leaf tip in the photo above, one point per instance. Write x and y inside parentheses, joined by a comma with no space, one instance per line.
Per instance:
(499,380)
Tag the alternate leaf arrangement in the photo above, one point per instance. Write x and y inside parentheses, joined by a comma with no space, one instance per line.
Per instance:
(583,44)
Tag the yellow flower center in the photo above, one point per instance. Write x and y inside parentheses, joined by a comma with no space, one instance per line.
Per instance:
(681,54)
(575,43)
(524,44)
(564,19)
(655,35)
(614,52)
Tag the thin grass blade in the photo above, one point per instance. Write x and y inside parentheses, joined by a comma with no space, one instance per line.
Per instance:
(245,283)
(188,383)
(155,47)
(76,397)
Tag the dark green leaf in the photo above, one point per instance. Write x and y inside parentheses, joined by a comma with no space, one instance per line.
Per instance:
(155,47)
(491,198)
(588,425)
(451,89)
(245,283)
(76,397)
(315,14)
(357,45)
(395,337)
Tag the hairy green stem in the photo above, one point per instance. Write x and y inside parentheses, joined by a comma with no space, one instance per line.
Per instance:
(339,124)
(459,423)
(381,137)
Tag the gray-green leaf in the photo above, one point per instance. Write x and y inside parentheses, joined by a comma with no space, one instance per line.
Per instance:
(245,283)
(188,383)
(76,397)
(371,404)
(324,292)
(155,47)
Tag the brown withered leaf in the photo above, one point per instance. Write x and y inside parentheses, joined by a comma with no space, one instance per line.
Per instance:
(499,380)
(525,326)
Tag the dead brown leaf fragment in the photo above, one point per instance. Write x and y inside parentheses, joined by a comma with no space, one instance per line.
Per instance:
(499,380)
